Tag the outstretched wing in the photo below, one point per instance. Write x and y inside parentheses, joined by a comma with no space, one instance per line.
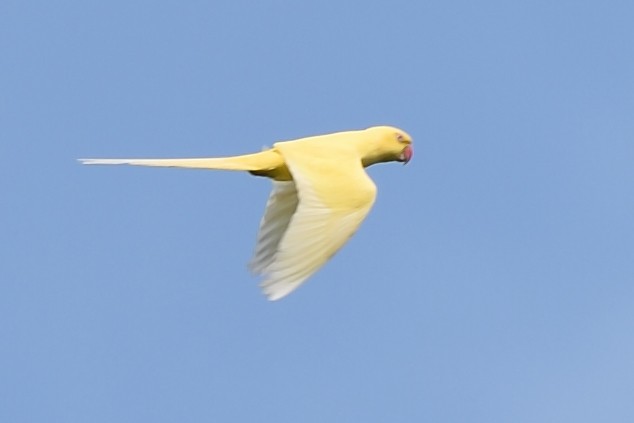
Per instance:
(280,208)
(335,195)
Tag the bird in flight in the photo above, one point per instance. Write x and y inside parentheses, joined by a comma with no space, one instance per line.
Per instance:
(321,194)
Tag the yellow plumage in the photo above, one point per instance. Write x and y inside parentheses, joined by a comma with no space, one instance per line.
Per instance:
(321,194)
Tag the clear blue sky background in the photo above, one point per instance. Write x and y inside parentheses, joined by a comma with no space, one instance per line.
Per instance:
(492,282)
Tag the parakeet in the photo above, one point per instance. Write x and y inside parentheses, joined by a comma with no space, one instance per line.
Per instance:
(321,194)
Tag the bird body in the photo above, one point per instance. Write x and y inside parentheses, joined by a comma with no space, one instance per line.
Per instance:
(321,194)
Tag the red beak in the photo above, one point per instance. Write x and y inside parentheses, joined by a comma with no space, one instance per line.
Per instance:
(407,154)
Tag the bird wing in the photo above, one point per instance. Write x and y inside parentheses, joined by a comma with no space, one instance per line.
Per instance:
(280,208)
(335,195)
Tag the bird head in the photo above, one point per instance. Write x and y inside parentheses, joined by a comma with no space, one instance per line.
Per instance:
(387,144)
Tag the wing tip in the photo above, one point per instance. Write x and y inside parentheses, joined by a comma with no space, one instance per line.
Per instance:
(273,295)
(276,289)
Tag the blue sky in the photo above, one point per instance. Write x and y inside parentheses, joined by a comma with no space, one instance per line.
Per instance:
(493,280)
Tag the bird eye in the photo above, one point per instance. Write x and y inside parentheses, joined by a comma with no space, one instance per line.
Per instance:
(400,137)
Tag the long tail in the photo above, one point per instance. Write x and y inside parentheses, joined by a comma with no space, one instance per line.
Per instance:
(258,162)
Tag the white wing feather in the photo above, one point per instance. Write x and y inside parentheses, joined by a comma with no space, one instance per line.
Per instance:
(280,207)
(313,235)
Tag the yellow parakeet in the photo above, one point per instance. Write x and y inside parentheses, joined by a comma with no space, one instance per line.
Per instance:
(321,194)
